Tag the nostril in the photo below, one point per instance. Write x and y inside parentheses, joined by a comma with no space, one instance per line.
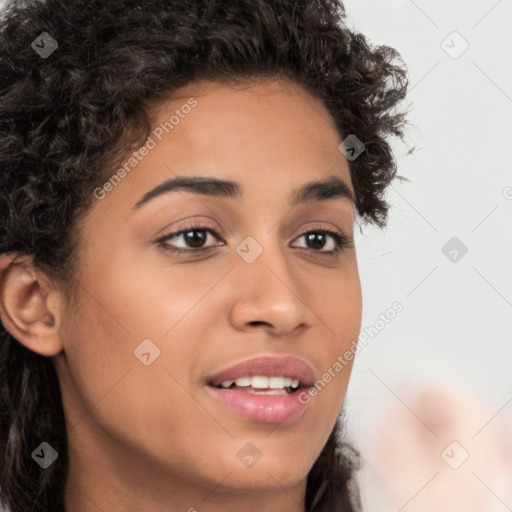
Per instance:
(258,322)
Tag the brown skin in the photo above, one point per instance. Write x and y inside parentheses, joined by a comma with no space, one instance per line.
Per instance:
(150,438)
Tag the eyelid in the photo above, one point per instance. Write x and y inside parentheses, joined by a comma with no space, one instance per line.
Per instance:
(190,224)
(319,227)
(204,226)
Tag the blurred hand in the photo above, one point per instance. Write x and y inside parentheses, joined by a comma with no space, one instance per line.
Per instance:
(447,453)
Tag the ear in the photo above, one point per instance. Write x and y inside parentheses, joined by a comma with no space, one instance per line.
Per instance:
(30,307)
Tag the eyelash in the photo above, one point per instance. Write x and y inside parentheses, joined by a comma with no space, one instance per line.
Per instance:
(340,239)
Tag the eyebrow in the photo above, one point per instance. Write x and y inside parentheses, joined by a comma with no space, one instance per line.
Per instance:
(331,187)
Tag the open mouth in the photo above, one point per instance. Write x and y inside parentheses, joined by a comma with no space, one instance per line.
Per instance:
(271,399)
(261,385)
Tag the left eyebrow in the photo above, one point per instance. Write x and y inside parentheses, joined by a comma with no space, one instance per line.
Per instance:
(331,187)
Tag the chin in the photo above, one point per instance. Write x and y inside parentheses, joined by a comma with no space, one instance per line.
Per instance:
(268,473)
(265,480)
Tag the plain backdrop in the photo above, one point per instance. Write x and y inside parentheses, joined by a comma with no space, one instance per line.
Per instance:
(456,321)
(457,316)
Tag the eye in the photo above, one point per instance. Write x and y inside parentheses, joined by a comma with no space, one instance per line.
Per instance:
(194,239)
(324,240)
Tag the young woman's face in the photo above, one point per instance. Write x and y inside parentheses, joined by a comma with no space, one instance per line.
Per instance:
(154,329)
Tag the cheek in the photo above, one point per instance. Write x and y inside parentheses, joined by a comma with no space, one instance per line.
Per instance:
(339,306)
(338,302)
(107,385)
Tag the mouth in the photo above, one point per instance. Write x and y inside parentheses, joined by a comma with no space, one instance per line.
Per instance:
(266,389)
(262,385)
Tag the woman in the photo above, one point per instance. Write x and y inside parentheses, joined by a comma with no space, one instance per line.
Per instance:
(179,185)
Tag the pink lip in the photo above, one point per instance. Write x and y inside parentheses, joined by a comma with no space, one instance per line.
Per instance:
(263,408)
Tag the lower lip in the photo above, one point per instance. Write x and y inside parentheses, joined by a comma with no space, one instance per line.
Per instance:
(263,408)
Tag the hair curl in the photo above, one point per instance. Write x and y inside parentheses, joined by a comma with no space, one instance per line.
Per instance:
(66,120)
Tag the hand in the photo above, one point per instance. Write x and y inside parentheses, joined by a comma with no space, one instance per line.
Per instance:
(449,454)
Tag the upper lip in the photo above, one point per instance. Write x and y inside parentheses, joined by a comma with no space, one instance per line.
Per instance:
(269,366)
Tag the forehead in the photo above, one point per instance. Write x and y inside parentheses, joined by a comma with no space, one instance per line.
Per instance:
(268,137)
(249,113)
(273,124)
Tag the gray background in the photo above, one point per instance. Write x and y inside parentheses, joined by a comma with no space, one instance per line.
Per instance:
(455,327)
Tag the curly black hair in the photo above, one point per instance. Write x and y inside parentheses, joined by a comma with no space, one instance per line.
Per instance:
(67,119)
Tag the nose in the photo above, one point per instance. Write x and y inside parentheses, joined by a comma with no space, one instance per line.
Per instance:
(270,296)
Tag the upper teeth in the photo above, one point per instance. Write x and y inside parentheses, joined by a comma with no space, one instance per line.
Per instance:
(261,382)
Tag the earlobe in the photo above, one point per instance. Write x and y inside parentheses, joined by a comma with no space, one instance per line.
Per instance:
(29,306)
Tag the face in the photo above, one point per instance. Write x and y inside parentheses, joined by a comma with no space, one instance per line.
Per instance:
(179,285)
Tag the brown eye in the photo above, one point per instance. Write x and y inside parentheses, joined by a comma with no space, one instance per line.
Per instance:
(193,240)
(324,241)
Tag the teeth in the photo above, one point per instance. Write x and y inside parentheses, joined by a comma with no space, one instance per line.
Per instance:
(276,382)
(262,382)
(259,382)
(243,381)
